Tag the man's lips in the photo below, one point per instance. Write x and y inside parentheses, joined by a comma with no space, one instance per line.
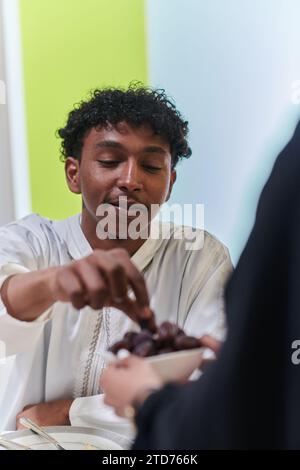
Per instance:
(123,203)
(126,204)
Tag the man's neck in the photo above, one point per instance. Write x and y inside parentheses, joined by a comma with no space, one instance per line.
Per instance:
(89,226)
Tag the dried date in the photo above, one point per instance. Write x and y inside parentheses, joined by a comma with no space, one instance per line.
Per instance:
(167,338)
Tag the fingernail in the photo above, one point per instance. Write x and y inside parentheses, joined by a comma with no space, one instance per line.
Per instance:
(147,312)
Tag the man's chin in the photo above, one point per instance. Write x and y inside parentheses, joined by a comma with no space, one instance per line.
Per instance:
(118,223)
(121,231)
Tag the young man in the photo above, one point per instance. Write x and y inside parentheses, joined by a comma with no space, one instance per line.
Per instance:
(65,285)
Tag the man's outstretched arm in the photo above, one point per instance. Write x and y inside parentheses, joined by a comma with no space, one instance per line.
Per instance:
(103,278)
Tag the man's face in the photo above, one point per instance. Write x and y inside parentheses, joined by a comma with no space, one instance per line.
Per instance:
(122,161)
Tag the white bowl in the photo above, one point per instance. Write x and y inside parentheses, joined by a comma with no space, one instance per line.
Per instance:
(176,366)
(171,367)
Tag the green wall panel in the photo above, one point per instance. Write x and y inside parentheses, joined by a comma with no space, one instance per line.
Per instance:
(70,47)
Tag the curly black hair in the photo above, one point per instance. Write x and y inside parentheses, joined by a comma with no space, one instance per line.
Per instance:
(136,105)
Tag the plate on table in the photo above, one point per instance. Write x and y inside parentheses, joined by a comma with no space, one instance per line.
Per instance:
(70,437)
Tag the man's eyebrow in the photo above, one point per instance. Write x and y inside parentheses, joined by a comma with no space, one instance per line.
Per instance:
(112,144)
(155,149)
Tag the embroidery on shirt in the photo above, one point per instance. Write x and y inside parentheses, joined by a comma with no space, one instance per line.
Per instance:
(82,388)
(103,345)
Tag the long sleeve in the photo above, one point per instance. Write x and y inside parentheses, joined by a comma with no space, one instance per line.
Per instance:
(21,343)
(155,421)
(20,252)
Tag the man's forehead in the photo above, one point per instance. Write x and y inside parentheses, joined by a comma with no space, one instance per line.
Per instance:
(123,130)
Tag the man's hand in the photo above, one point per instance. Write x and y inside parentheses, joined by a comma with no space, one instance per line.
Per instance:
(103,278)
(54,413)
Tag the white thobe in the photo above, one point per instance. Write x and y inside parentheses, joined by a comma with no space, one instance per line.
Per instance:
(61,354)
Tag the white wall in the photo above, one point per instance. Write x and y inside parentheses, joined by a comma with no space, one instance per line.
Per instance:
(230,66)
(6,190)
(15,198)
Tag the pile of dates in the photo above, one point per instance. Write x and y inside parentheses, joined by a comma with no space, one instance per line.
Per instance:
(168,337)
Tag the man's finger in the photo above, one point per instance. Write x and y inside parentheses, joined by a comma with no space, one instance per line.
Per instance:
(96,289)
(71,289)
(135,278)
(128,306)
(115,274)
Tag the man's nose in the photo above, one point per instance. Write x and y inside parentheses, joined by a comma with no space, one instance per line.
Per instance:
(130,178)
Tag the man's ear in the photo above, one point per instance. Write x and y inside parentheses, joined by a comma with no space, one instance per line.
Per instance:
(72,171)
(172,181)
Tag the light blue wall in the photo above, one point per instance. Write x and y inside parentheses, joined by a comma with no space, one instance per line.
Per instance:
(230,65)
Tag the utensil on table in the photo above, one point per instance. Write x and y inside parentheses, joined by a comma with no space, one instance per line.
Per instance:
(29,424)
